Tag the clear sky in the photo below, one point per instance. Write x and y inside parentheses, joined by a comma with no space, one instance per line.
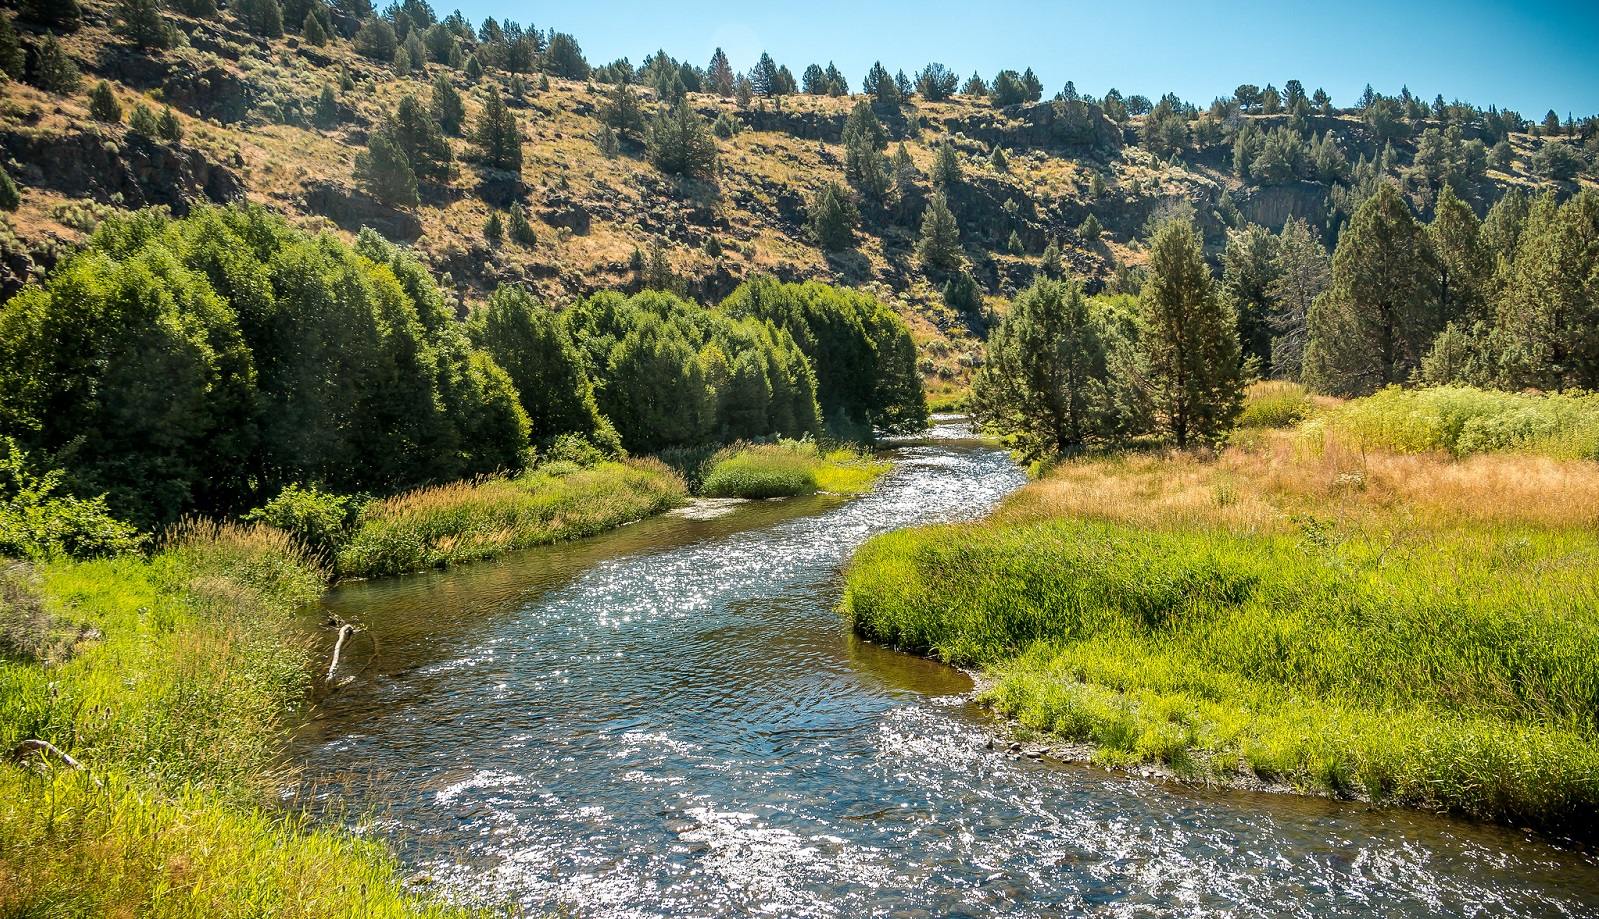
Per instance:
(1529,56)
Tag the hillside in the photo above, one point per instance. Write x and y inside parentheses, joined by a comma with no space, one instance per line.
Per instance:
(247,107)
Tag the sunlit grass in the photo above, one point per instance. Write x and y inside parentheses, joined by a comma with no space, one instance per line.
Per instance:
(1462,420)
(172,699)
(1409,627)
(462,521)
(1274,404)
(789,468)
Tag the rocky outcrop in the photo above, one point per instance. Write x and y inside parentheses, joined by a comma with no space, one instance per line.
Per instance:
(209,92)
(1273,206)
(135,172)
(352,210)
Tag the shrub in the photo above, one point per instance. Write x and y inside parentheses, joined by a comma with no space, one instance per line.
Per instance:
(37,524)
(319,520)
(1274,404)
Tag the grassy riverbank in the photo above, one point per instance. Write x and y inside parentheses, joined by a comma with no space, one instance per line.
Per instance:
(1418,628)
(432,527)
(789,468)
(165,677)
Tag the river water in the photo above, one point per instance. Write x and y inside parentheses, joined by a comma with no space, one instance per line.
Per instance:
(671,720)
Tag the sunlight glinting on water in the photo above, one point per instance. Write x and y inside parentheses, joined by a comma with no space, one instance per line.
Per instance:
(672,721)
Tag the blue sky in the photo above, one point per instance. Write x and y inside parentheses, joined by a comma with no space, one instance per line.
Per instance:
(1528,56)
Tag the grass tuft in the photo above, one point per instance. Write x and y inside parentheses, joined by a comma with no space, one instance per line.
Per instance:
(789,468)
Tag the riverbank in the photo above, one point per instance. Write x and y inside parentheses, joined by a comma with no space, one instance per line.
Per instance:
(1299,610)
(465,521)
(164,678)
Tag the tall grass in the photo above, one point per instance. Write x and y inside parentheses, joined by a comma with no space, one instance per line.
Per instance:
(1274,404)
(171,699)
(1412,628)
(789,468)
(453,523)
(1462,420)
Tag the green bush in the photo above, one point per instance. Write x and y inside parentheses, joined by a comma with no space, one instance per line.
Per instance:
(745,471)
(1274,404)
(36,524)
(320,521)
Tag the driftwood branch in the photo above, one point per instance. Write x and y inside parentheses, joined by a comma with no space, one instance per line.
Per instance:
(38,748)
(345,631)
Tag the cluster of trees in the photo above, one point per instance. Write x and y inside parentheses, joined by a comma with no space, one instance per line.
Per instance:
(198,364)
(1063,370)
(1508,301)
(202,364)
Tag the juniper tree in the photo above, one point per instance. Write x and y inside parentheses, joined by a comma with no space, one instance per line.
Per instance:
(497,135)
(53,69)
(1189,340)
(168,127)
(837,83)
(1050,264)
(1547,312)
(719,75)
(680,144)
(143,23)
(143,120)
(1090,229)
(413,128)
(376,40)
(494,229)
(997,160)
(311,30)
(10,197)
(879,85)
(103,104)
(1380,314)
(939,244)
(13,60)
(833,217)
(1249,267)
(963,294)
(1045,374)
(520,228)
(623,113)
(384,172)
(1301,272)
(263,17)
(1463,266)
(447,106)
(65,15)
(936,82)
(946,166)
(763,76)
(327,108)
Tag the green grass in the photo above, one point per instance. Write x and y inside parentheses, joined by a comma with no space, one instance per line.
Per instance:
(787,469)
(171,698)
(1461,420)
(1274,404)
(1271,614)
(444,525)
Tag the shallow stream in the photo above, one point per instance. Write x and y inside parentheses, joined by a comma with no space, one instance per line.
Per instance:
(671,720)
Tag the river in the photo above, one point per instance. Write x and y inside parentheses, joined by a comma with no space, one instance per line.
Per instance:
(671,720)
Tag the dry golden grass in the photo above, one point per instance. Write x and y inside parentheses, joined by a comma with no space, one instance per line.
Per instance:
(1262,485)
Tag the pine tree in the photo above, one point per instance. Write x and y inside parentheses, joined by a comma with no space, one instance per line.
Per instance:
(346,82)
(680,144)
(1380,314)
(447,107)
(763,77)
(1190,340)
(963,294)
(719,75)
(53,70)
(864,143)
(142,23)
(608,142)
(103,104)
(384,172)
(939,245)
(474,68)
(1044,374)
(833,217)
(946,166)
(1014,245)
(1547,312)
(13,60)
(497,135)
(327,108)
